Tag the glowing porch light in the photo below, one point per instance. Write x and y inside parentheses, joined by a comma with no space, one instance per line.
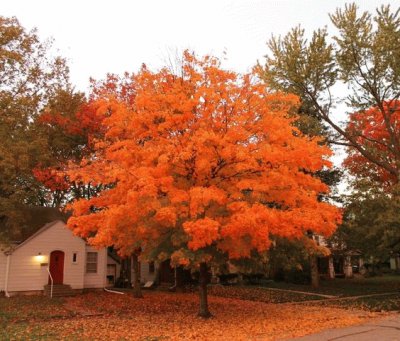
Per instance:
(40,258)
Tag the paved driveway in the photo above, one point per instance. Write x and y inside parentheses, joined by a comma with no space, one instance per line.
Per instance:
(387,329)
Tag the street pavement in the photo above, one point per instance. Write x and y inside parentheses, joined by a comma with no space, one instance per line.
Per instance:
(386,329)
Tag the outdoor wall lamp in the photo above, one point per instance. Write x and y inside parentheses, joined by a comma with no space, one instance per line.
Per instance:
(39,258)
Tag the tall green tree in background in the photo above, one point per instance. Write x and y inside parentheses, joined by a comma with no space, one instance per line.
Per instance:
(364,59)
(364,56)
(371,223)
(29,76)
(372,209)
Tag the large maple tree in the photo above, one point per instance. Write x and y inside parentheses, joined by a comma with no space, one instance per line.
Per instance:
(201,167)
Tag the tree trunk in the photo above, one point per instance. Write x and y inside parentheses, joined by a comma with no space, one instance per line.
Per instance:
(314,271)
(204,312)
(125,273)
(137,292)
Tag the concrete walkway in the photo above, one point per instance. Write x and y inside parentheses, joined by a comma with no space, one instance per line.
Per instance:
(386,329)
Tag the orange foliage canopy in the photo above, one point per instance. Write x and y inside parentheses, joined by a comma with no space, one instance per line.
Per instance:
(378,130)
(200,164)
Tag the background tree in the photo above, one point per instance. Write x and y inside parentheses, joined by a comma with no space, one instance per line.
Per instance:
(122,88)
(372,218)
(29,78)
(289,260)
(365,57)
(376,136)
(311,124)
(204,167)
(70,124)
(371,223)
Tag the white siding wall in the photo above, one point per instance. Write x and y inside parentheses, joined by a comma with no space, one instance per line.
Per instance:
(99,279)
(145,275)
(3,262)
(26,272)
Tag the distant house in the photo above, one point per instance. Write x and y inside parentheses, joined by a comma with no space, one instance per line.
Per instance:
(50,252)
(342,262)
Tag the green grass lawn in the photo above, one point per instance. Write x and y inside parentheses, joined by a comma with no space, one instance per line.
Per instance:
(258,294)
(342,288)
(376,304)
(339,288)
(347,287)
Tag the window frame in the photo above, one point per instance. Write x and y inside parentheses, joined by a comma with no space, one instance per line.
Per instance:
(91,262)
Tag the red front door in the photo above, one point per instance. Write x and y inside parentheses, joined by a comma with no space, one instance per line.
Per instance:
(57,267)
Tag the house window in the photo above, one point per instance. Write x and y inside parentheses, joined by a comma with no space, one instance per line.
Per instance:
(75,257)
(151,267)
(91,262)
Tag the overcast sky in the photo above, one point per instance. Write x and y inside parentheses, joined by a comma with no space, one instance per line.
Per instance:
(116,36)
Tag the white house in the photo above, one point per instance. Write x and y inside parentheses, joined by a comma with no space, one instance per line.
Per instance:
(53,254)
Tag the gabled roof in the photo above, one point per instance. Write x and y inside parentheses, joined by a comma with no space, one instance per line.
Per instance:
(44,228)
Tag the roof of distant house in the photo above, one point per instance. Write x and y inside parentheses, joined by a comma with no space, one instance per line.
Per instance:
(33,219)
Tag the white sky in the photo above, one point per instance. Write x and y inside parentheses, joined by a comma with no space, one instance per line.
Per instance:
(98,37)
